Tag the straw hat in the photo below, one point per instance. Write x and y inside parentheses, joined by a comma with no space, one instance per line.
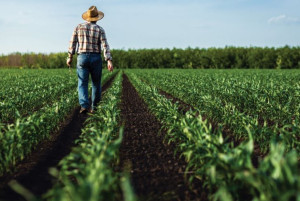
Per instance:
(92,14)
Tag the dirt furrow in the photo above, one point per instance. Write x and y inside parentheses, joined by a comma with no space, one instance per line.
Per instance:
(156,173)
(32,172)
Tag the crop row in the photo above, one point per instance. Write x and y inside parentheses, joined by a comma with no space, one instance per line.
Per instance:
(273,96)
(267,101)
(87,172)
(24,92)
(227,171)
(17,140)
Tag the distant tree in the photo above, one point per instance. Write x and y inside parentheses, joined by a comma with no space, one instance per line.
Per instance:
(214,58)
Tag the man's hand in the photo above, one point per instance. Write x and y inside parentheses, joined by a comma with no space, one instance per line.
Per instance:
(110,66)
(69,61)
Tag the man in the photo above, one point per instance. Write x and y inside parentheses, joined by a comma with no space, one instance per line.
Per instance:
(89,37)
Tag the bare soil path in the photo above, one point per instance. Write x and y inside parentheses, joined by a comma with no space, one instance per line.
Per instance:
(156,173)
(32,172)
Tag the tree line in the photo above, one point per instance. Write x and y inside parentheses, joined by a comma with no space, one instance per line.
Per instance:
(205,58)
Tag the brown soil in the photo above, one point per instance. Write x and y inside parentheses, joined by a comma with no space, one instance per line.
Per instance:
(32,172)
(156,172)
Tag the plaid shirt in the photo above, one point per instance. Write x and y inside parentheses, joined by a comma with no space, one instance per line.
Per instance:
(89,37)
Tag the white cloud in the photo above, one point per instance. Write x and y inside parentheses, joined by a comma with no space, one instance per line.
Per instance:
(283,19)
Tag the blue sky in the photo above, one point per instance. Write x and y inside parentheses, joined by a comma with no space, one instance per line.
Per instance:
(46,26)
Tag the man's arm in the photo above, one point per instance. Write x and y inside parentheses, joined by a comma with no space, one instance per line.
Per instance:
(72,47)
(106,50)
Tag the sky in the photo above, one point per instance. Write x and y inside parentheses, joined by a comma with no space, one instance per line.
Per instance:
(46,26)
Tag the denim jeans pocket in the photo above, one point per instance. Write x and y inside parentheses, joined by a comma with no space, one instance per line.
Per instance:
(80,61)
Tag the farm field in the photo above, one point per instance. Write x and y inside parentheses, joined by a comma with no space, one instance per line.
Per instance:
(164,134)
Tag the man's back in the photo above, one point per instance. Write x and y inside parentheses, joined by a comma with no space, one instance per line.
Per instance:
(89,37)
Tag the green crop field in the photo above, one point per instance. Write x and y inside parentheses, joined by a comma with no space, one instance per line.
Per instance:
(237,131)
(33,104)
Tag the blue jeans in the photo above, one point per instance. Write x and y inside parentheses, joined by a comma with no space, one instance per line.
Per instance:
(90,63)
